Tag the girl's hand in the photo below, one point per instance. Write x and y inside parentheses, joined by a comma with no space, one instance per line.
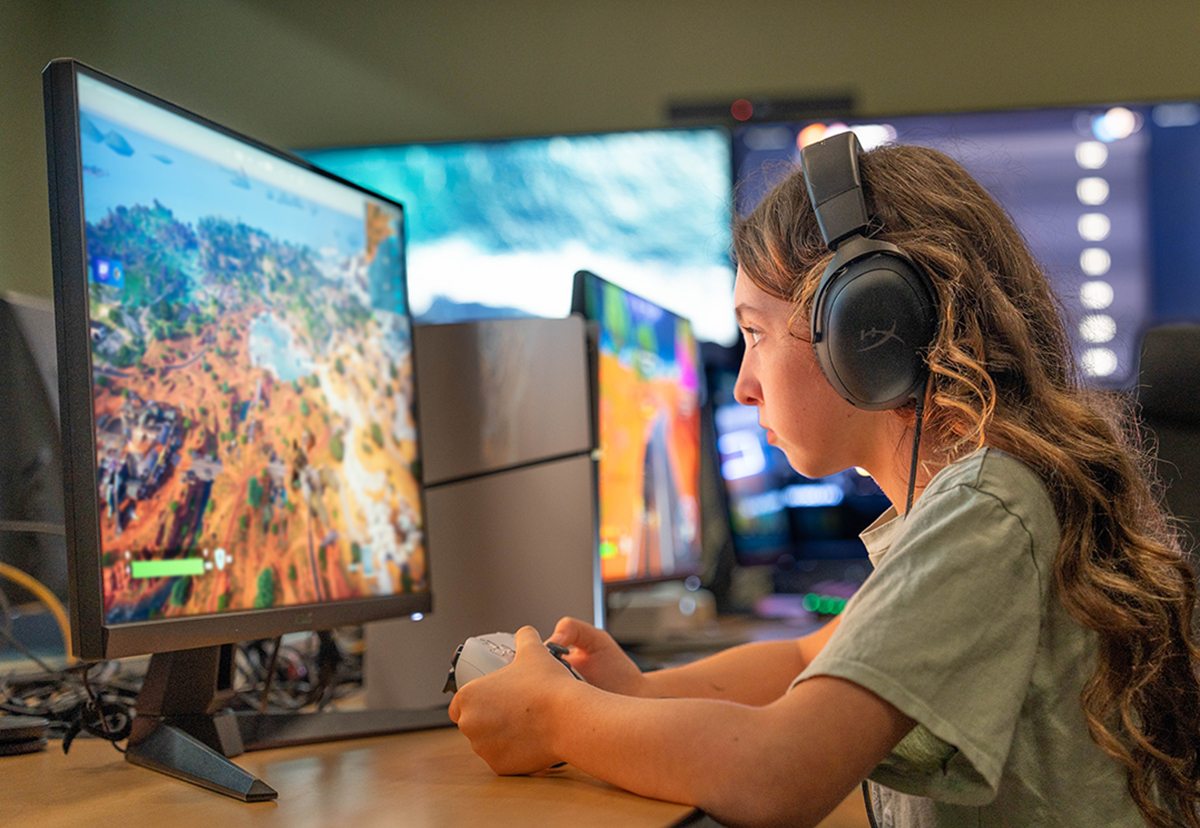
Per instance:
(598,658)
(507,714)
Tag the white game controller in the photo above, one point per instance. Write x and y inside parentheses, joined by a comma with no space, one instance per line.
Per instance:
(483,654)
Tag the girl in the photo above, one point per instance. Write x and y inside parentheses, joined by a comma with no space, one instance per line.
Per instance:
(1022,653)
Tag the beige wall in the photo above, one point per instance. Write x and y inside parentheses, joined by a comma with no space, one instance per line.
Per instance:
(24,225)
(310,72)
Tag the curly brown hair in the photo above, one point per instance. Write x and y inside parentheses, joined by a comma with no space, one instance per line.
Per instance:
(1003,375)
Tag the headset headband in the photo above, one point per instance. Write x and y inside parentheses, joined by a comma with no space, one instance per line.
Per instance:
(835,187)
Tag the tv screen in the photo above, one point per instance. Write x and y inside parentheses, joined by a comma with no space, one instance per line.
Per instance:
(497,227)
(647,378)
(1077,182)
(239,397)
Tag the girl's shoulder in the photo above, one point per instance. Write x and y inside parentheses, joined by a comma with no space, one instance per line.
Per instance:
(989,475)
(988,470)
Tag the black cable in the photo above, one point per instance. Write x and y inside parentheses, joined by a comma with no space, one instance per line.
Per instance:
(103,712)
(25,651)
(328,663)
(285,683)
(912,485)
(7,624)
(264,700)
(47,696)
(870,809)
(912,469)
(273,675)
(66,699)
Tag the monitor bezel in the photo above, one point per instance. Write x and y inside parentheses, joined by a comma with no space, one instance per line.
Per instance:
(93,638)
(579,306)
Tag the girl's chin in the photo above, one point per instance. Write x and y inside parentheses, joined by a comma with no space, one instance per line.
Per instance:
(806,466)
(797,462)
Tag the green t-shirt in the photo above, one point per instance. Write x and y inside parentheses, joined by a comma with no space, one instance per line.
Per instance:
(960,628)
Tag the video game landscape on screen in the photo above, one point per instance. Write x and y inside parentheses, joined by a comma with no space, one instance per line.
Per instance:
(649,437)
(251,353)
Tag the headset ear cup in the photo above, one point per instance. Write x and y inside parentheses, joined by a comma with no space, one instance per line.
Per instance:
(874,319)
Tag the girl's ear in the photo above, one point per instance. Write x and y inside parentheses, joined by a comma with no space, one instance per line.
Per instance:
(907,413)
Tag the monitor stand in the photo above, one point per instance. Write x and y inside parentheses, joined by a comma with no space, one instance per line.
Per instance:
(182,729)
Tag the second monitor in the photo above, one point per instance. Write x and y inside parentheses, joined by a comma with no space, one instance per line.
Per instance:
(647,398)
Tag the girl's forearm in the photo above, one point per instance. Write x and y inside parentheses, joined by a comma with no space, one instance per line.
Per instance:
(685,750)
(786,763)
(754,674)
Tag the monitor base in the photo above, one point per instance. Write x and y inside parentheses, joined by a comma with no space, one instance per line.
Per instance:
(168,749)
(182,729)
(261,731)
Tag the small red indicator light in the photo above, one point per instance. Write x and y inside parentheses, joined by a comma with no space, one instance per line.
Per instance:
(741,109)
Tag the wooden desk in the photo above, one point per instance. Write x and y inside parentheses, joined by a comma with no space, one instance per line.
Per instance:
(426,778)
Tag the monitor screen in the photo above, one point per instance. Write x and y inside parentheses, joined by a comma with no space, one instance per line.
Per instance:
(1075,180)
(497,227)
(238,388)
(647,406)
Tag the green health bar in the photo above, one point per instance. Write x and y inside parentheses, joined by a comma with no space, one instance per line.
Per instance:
(168,569)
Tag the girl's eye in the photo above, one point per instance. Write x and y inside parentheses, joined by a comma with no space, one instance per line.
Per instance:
(753,335)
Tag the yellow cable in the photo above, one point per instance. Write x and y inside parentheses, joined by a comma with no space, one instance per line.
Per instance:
(46,597)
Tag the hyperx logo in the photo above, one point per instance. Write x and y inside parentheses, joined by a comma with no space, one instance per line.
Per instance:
(875,337)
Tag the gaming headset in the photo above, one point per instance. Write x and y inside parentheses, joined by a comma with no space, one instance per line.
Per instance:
(875,311)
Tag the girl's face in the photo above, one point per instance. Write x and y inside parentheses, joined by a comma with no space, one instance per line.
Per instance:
(818,431)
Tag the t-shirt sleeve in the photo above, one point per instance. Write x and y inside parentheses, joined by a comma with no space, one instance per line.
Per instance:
(946,630)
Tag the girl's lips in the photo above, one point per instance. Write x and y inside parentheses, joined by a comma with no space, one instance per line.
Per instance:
(770,436)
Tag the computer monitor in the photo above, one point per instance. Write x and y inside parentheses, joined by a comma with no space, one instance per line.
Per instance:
(1080,183)
(497,227)
(237,400)
(647,396)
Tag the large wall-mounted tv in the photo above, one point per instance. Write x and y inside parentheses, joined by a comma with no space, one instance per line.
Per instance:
(497,227)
